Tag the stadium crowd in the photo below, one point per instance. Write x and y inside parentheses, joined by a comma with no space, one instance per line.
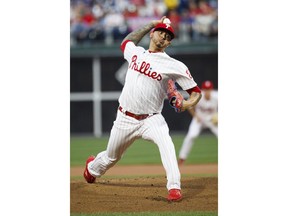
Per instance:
(107,21)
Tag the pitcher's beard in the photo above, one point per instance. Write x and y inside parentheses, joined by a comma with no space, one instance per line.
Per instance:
(158,44)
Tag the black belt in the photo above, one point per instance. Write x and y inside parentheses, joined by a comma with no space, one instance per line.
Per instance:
(138,117)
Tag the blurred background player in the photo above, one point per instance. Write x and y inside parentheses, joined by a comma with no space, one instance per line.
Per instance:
(205,115)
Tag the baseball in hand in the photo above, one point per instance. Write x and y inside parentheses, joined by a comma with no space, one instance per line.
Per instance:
(167,21)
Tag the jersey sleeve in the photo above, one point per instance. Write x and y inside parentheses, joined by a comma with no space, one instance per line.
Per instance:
(184,77)
(129,49)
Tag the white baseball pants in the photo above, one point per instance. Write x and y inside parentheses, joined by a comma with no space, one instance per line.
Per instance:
(125,131)
(194,130)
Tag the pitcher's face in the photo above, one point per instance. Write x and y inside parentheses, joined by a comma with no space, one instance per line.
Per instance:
(161,39)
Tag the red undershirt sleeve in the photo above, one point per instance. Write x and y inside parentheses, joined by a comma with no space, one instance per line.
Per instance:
(123,45)
(194,89)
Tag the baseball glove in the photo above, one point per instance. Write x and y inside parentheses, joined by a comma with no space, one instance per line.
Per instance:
(214,119)
(175,97)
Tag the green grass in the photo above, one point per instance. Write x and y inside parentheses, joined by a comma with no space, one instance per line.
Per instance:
(150,214)
(205,150)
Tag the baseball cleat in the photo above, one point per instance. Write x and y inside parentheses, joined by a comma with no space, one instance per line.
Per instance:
(174,195)
(89,178)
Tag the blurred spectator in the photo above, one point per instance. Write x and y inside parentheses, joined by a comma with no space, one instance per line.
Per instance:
(88,17)
(183,5)
(158,7)
(94,21)
(98,11)
(185,26)
(175,19)
(130,11)
(171,4)
(204,18)
(214,27)
(194,10)
(80,21)
(114,26)
(138,3)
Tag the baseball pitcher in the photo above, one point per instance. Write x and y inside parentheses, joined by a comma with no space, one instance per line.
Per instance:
(150,78)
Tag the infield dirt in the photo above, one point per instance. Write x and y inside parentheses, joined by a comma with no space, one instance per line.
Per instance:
(142,193)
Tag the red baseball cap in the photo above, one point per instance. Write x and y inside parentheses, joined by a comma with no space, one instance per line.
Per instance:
(207,85)
(165,27)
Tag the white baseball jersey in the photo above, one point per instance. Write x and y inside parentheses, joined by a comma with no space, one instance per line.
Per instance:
(206,108)
(146,79)
(144,92)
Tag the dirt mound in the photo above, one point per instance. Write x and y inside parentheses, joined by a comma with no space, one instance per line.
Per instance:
(142,194)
